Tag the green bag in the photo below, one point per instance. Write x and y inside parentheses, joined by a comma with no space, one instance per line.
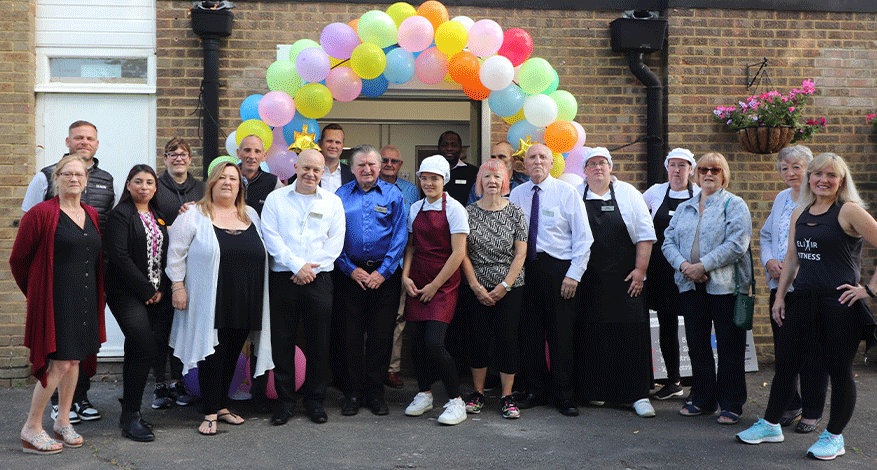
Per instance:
(744,305)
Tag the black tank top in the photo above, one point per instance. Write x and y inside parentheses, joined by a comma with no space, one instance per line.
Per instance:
(828,257)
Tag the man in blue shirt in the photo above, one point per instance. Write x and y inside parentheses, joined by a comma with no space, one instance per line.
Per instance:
(368,280)
(391,163)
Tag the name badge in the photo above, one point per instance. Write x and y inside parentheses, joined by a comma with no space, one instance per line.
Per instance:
(459,181)
(382,210)
(607,208)
(670,213)
(315,215)
(547,213)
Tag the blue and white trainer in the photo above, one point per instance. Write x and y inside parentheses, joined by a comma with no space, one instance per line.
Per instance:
(827,447)
(761,431)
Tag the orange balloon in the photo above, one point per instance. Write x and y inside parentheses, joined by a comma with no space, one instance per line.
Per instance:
(478,92)
(463,67)
(434,11)
(354,24)
(561,136)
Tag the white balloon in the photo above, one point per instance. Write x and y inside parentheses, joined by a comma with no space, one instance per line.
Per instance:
(572,179)
(540,110)
(231,144)
(464,20)
(496,72)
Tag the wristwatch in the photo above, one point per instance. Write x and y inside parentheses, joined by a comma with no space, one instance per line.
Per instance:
(508,288)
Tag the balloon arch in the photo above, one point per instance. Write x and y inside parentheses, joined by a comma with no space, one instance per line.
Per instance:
(366,55)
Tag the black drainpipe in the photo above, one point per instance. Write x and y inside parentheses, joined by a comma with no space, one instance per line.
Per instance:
(211,21)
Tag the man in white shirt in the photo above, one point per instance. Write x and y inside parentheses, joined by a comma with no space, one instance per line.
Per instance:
(303,226)
(332,144)
(558,248)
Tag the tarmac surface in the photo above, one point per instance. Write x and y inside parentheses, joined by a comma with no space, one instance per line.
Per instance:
(604,438)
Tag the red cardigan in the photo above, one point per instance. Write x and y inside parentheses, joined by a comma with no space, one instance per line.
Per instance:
(32,264)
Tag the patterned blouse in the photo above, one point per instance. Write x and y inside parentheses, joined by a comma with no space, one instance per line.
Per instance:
(491,239)
(154,240)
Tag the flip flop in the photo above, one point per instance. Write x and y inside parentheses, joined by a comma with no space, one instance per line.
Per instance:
(231,416)
(68,436)
(211,423)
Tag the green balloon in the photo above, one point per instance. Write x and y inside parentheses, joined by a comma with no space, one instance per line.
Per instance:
(378,28)
(281,76)
(567,106)
(535,75)
(301,45)
(554,83)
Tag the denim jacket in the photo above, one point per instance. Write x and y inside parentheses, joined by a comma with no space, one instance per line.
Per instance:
(722,241)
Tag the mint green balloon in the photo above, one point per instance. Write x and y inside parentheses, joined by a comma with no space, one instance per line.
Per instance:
(554,83)
(281,76)
(301,45)
(567,106)
(535,75)
(378,28)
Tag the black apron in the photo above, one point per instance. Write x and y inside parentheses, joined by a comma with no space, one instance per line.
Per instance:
(661,284)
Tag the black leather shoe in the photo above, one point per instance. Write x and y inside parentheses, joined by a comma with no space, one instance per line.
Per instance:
(282,413)
(133,427)
(315,412)
(378,406)
(530,400)
(351,406)
(567,408)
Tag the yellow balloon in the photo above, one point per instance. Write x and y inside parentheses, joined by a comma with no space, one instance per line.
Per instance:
(515,117)
(257,128)
(368,61)
(400,11)
(333,62)
(559,165)
(451,37)
(313,100)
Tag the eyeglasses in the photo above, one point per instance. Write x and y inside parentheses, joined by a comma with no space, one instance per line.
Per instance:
(712,171)
(603,163)
(174,156)
(394,161)
(67,174)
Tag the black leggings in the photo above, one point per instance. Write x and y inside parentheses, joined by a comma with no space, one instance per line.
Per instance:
(135,319)
(216,371)
(838,334)
(501,323)
(431,358)
(668,332)
(161,325)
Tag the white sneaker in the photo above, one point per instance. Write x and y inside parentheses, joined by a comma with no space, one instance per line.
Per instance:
(74,418)
(455,412)
(421,404)
(644,408)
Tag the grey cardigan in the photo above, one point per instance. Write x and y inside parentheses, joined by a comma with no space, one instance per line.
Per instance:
(722,241)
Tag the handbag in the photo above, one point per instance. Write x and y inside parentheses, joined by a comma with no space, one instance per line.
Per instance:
(744,304)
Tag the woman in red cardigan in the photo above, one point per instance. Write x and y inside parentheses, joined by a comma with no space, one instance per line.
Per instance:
(56,262)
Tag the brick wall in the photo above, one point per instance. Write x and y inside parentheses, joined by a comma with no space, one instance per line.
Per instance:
(16,137)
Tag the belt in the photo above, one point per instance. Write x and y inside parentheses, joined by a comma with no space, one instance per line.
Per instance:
(368,265)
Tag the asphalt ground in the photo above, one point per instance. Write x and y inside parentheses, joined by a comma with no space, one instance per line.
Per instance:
(603,438)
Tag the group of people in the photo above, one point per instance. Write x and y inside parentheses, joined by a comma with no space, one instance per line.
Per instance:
(562,278)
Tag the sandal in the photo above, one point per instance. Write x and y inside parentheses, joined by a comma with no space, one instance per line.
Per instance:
(68,436)
(231,417)
(690,410)
(727,417)
(40,443)
(804,428)
(789,417)
(211,423)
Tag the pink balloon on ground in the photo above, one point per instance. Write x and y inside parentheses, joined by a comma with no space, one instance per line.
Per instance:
(581,131)
(415,34)
(312,65)
(485,38)
(431,66)
(338,40)
(276,108)
(575,162)
(344,84)
(300,365)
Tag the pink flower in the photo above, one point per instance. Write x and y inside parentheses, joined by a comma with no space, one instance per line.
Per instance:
(870,116)
(791,109)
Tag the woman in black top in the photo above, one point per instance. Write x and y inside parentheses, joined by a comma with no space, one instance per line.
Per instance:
(826,310)
(136,244)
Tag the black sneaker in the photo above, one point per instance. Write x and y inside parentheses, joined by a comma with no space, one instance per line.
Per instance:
(86,411)
(668,391)
(474,403)
(161,397)
(180,396)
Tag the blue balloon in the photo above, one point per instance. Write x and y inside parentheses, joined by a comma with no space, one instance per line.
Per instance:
(520,130)
(296,125)
(400,66)
(508,101)
(250,107)
(375,87)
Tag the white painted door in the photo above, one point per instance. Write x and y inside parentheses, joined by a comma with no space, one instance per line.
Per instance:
(126,135)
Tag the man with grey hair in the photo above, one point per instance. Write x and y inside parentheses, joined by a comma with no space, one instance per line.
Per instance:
(368,280)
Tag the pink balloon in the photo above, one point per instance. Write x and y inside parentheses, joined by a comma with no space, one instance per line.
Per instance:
(575,162)
(517,45)
(581,131)
(344,84)
(300,366)
(338,40)
(278,144)
(431,66)
(312,65)
(283,164)
(276,108)
(485,38)
(415,34)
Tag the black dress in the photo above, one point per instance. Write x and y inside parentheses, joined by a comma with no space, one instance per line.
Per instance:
(241,281)
(74,289)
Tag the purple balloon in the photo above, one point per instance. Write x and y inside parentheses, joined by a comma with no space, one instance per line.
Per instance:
(575,162)
(339,40)
(283,164)
(312,65)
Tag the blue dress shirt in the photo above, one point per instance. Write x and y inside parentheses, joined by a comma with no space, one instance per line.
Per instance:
(376,227)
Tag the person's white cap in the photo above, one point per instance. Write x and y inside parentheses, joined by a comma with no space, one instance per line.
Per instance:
(682,154)
(436,164)
(598,152)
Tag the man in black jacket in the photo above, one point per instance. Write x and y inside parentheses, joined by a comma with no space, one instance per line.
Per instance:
(463,175)
(259,183)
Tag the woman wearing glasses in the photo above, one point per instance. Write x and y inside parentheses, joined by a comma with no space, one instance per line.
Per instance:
(706,235)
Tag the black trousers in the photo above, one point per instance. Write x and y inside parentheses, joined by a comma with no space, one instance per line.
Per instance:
(499,323)
(548,316)
(668,333)
(430,357)
(136,320)
(312,304)
(161,325)
(216,371)
(369,314)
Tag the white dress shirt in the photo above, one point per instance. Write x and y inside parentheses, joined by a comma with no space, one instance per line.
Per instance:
(458,218)
(564,232)
(633,210)
(303,228)
(331,181)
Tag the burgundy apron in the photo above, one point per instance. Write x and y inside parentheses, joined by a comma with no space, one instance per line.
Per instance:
(432,248)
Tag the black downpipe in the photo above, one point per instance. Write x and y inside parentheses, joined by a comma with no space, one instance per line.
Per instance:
(210,97)
(654,116)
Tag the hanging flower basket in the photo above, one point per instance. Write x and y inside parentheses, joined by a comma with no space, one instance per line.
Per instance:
(765,140)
